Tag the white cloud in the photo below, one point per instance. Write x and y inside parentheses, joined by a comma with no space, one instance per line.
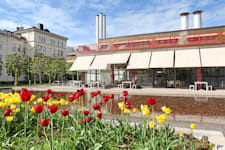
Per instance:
(22,4)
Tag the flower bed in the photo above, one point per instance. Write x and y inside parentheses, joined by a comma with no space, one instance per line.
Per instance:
(48,123)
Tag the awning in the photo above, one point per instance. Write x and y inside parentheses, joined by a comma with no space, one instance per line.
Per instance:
(187,58)
(213,57)
(162,59)
(139,60)
(82,63)
(100,62)
(120,58)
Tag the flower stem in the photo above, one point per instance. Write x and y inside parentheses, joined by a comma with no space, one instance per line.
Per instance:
(25,125)
(62,133)
(52,131)
(47,138)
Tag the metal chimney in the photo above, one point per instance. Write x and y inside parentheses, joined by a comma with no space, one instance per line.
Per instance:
(100,25)
(97,28)
(184,20)
(197,19)
(104,27)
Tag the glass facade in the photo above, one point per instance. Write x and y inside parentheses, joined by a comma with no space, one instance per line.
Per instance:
(214,76)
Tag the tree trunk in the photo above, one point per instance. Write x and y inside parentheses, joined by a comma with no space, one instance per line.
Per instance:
(40,78)
(49,78)
(35,78)
(16,79)
(72,77)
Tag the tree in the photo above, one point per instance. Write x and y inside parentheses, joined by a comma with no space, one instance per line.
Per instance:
(1,66)
(68,72)
(58,67)
(16,65)
(47,70)
(37,66)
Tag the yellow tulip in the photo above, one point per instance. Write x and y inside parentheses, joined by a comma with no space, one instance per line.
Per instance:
(121,105)
(67,103)
(146,112)
(161,118)
(9,118)
(62,101)
(192,126)
(2,105)
(166,110)
(126,111)
(22,106)
(181,134)
(17,109)
(134,110)
(32,110)
(151,124)
(13,112)
(151,118)
(40,100)
(13,106)
(32,97)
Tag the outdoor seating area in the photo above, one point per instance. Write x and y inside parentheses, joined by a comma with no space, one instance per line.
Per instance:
(200,84)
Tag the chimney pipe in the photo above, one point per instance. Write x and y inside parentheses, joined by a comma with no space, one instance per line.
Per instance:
(104,26)
(197,19)
(97,28)
(184,20)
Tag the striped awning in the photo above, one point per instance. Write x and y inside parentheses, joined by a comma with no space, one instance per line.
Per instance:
(82,63)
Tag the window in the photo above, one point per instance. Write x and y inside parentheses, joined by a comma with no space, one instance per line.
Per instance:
(62,53)
(54,52)
(0,45)
(52,42)
(39,48)
(62,44)
(58,43)
(44,39)
(0,57)
(58,52)
(14,47)
(19,48)
(44,49)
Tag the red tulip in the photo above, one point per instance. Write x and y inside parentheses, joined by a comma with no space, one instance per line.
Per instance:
(40,132)
(25,96)
(39,108)
(128,105)
(89,119)
(52,94)
(39,135)
(89,101)
(152,100)
(24,90)
(105,98)
(100,103)
(82,92)
(7,112)
(97,107)
(98,92)
(125,93)
(123,99)
(99,115)
(86,112)
(72,97)
(53,109)
(45,122)
(49,91)
(111,96)
(93,94)
(65,112)
(61,94)
(84,121)
(45,98)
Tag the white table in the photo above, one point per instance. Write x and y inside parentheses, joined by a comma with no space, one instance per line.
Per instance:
(201,82)
(95,83)
(127,82)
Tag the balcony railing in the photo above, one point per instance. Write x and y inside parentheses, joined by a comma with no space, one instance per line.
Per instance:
(171,41)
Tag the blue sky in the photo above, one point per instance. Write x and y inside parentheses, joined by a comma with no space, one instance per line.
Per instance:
(75,19)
